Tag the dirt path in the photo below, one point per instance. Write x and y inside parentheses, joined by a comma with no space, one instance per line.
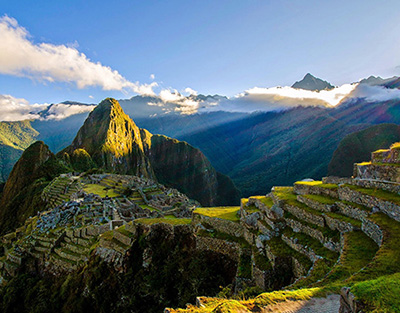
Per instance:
(329,304)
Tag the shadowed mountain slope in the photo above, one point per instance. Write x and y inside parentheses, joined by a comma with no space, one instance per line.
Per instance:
(357,147)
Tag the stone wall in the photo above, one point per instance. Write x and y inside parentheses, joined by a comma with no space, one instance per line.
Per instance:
(304,215)
(230,249)
(223,226)
(316,205)
(372,183)
(385,172)
(348,302)
(373,231)
(303,189)
(338,225)
(300,248)
(389,208)
(351,211)
(336,180)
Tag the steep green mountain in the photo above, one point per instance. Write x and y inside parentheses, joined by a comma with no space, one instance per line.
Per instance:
(21,195)
(310,82)
(14,138)
(357,147)
(113,141)
(116,144)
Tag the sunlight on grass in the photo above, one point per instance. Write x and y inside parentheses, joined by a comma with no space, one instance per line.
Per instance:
(226,213)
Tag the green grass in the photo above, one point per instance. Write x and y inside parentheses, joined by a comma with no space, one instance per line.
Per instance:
(100,190)
(359,250)
(267,201)
(344,218)
(123,231)
(251,209)
(321,199)
(381,295)
(387,259)
(378,193)
(317,183)
(171,221)
(145,206)
(226,213)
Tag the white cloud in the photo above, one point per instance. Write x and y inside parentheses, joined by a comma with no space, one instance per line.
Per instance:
(152,76)
(91,97)
(190,91)
(374,93)
(17,109)
(278,98)
(60,111)
(20,56)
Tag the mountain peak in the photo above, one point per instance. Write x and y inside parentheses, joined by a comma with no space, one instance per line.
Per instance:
(310,82)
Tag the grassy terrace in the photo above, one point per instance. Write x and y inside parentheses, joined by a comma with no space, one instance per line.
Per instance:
(280,248)
(226,213)
(378,193)
(387,259)
(358,206)
(382,294)
(265,200)
(167,220)
(321,199)
(312,243)
(359,250)
(317,183)
(286,194)
(326,231)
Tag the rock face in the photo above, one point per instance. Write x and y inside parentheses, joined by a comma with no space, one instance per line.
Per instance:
(310,82)
(114,143)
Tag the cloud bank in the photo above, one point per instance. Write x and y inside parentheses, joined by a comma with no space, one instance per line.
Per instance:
(18,109)
(20,56)
(60,111)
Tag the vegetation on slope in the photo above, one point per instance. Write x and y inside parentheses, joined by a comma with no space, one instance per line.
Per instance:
(358,146)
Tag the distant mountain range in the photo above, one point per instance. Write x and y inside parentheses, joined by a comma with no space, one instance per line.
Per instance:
(254,149)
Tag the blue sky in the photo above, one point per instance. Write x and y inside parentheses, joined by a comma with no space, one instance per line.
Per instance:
(221,47)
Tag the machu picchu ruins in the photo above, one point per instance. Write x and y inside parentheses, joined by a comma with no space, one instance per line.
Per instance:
(316,236)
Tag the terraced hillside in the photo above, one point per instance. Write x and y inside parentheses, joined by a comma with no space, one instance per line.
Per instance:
(317,245)
(335,236)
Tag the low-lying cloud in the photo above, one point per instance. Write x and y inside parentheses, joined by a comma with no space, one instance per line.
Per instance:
(18,109)
(374,93)
(20,56)
(278,98)
(60,111)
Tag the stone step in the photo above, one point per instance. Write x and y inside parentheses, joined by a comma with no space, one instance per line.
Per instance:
(377,171)
(318,202)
